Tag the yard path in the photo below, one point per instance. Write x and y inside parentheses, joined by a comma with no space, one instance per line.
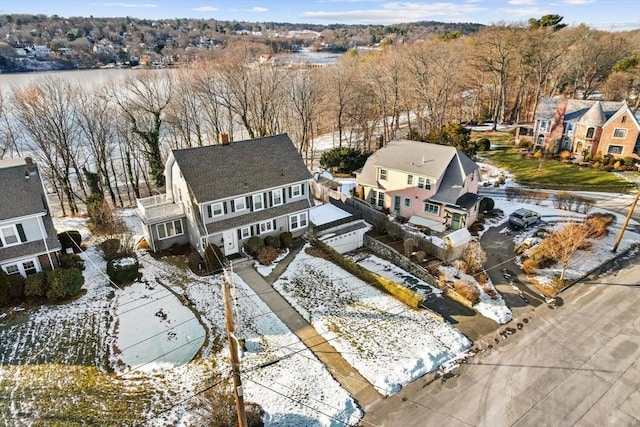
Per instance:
(349,378)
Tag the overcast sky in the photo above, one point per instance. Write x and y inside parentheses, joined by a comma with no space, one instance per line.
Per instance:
(601,14)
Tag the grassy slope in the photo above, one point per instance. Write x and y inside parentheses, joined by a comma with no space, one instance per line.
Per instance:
(551,174)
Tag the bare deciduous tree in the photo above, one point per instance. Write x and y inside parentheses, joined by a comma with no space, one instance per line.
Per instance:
(143,100)
(562,245)
(95,120)
(46,112)
(339,97)
(8,134)
(305,98)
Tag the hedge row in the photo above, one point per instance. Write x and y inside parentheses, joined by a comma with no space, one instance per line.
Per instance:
(255,243)
(573,202)
(54,285)
(403,294)
(525,195)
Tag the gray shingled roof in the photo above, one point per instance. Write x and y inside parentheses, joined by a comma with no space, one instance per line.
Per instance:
(219,171)
(34,247)
(546,109)
(20,195)
(420,158)
(575,109)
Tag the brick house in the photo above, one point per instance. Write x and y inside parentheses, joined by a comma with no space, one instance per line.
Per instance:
(586,127)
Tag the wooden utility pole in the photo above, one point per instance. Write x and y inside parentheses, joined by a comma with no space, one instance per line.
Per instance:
(233,350)
(626,221)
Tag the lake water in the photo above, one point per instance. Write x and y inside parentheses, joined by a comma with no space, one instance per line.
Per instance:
(104,75)
(8,81)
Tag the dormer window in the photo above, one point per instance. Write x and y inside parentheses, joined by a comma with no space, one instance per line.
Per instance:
(569,128)
(383,175)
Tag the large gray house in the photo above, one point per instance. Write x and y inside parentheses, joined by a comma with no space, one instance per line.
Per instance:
(28,239)
(224,194)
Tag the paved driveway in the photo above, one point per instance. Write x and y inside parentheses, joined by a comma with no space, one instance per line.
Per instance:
(505,274)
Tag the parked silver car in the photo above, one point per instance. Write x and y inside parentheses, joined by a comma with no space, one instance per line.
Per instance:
(523,218)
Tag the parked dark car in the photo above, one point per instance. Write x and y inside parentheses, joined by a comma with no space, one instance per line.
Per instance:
(523,218)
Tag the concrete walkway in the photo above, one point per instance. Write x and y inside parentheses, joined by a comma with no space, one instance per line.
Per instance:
(350,379)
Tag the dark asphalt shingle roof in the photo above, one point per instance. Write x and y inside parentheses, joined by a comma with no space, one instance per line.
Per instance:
(453,180)
(20,196)
(220,171)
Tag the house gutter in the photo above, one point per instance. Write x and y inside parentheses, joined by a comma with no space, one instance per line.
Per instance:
(44,240)
(169,176)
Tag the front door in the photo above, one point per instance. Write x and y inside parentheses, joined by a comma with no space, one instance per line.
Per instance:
(396,204)
(457,221)
(230,242)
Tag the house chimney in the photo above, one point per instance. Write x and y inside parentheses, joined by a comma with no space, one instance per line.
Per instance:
(224,138)
(30,167)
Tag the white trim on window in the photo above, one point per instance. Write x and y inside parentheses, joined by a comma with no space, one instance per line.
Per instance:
(296,190)
(169,229)
(615,149)
(409,179)
(266,226)
(619,133)
(258,202)
(276,193)
(407,202)
(245,232)
(217,209)
(240,204)
(8,233)
(11,269)
(383,175)
(298,221)
(23,268)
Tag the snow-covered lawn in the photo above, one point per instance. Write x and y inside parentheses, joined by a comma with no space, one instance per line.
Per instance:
(297,389)
(387,342)
(148,333)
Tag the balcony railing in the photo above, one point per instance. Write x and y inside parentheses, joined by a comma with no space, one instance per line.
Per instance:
(155,208)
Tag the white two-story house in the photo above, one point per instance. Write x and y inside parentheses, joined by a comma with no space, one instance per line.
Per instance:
(28,239)
(225,194)
(431,185)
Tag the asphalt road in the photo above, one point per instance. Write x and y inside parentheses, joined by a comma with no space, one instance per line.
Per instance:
(577,364)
